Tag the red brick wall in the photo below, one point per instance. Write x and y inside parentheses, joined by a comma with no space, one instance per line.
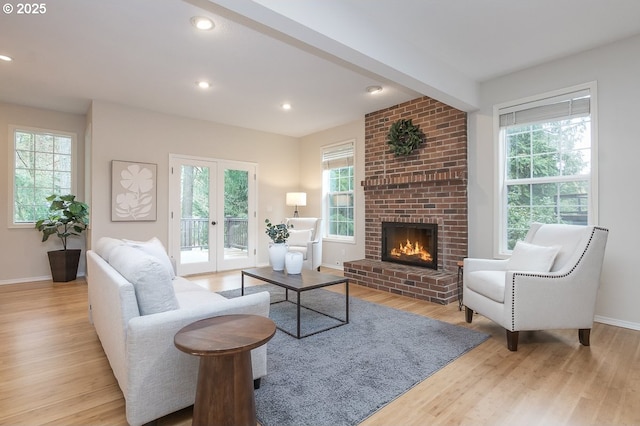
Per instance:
(428,186)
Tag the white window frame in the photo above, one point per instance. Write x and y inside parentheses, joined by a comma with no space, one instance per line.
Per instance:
(500,237)
(325,193)
(11,169)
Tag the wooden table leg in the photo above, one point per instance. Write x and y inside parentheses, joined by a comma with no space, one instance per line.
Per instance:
(224,394)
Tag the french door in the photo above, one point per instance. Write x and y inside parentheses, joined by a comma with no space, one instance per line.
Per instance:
(212,214)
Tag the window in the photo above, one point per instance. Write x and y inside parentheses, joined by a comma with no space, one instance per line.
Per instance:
(547,156)
(42,165)
(338,190)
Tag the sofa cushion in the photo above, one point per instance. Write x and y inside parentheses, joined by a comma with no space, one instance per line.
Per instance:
(487,283)
(105,245)
(150,279)
(181,284)
(193,299)
(531,257)
(155,248)
(299,237)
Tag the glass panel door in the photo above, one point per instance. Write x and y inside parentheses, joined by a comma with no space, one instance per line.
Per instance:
(212,215)
(238,228)
(193,224)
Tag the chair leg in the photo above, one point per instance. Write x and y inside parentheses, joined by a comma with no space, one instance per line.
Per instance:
(583,335)
(468,314)
(512,340)
(256,383)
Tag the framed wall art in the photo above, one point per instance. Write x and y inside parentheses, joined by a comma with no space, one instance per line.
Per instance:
(133,191)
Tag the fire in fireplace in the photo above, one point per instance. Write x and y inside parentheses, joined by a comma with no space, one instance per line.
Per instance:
(410,243)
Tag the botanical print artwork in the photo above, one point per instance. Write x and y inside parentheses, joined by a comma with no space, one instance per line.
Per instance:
(133,191)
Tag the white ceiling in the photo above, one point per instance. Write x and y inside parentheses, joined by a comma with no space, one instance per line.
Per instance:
(319,55)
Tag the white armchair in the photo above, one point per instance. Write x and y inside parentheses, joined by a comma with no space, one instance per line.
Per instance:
(305,237)
(549,283)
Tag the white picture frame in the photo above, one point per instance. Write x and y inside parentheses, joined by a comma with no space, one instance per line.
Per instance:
(133,191)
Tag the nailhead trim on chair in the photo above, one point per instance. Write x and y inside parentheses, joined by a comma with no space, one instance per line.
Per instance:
(513,280)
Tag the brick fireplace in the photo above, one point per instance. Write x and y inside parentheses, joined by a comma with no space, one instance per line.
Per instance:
(426,187)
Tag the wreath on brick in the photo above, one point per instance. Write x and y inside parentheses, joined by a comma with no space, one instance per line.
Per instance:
(404,137)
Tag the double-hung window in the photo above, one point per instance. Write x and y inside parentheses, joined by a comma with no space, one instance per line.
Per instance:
(338,190)
(41,164)
(547,163)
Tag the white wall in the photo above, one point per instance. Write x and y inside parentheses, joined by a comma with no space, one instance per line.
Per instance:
(616,68)
(24,256)
(333,253)
(129,134)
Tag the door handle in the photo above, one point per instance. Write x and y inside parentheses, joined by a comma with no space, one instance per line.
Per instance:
(214,222)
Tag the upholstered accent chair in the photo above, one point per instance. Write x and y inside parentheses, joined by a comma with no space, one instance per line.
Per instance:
(305,237)
(550,282)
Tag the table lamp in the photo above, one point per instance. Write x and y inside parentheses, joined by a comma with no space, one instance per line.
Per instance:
(296,199)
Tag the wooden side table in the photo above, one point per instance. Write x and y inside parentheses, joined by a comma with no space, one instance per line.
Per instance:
(224,393)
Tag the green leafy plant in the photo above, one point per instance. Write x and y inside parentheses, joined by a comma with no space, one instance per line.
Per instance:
(67,217)
(278,233)
(404,137)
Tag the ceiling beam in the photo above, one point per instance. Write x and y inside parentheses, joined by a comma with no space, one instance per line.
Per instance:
(361,49)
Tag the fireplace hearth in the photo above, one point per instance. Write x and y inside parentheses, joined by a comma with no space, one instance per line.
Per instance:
(410,243)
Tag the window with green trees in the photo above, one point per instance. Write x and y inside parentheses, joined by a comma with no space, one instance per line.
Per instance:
(42,165)
(338,188)
(547,166)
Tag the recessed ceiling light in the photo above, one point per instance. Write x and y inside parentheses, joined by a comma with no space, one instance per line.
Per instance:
(6,58)
(286,106)
(202,23)
(374,89)
(203,84)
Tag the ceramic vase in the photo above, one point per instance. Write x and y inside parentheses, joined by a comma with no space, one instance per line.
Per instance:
(277,252)
(293,262)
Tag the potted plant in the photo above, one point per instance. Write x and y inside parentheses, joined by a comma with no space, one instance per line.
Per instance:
(278,249)
(67,218)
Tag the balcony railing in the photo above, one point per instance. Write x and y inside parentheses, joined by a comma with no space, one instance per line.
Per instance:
(236,232)
(195,233)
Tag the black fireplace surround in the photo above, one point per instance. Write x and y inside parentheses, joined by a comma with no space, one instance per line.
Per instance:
(410,243)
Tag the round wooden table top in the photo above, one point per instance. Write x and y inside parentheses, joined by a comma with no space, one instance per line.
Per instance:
(225,335)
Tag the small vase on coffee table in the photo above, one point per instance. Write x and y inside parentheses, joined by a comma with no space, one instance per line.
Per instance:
(277,252)
(293,262)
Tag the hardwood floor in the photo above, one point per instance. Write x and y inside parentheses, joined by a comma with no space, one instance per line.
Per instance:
(53,369)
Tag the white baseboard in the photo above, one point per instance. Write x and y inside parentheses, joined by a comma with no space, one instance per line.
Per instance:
(25,280)
(617,322)
(30,279)
(338,267)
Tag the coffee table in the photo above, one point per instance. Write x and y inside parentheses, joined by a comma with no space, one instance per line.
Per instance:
(224,393)
(307,280)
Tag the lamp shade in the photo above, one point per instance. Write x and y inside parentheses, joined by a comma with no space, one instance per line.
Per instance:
(296,198)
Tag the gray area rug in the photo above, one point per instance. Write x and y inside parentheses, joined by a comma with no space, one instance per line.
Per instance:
(343,375)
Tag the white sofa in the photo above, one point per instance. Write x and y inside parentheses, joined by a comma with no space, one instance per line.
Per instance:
(136,319)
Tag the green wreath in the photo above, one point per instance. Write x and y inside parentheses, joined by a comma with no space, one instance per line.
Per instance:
(404,137)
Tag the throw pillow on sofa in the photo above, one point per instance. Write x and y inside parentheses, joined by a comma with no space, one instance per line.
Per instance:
(151,281)
(532,257)
(105,246)
(299,237)
(155,248)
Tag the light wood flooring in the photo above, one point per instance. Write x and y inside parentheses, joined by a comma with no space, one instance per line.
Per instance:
(53,369)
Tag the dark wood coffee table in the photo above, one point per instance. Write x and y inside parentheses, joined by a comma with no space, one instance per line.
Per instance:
(307,280)
(224,393)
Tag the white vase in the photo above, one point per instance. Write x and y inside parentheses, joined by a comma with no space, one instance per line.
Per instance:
(277,252)
(293,262)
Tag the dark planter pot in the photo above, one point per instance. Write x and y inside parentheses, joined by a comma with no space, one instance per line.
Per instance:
(64,264)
